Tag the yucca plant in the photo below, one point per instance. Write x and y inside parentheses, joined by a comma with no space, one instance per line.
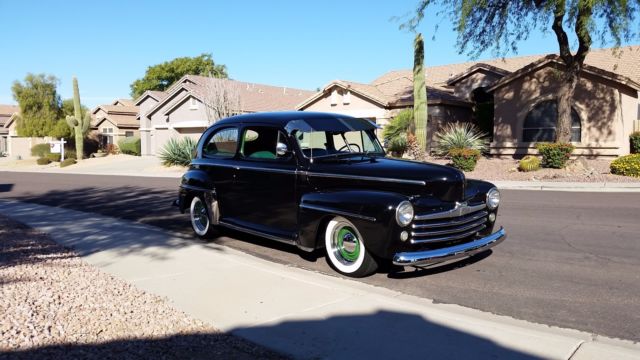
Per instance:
(395,133)
(460,136)
(178,152)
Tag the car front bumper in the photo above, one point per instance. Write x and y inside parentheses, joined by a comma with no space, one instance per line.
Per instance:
(432,257)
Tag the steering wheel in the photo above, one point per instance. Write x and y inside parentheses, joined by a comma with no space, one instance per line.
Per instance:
(348,146)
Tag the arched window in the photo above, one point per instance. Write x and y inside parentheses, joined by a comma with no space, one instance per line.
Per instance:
(540,123)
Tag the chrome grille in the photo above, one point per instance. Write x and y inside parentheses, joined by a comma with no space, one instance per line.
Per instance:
(455,224)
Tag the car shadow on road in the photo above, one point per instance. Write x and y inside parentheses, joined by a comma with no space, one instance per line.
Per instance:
(380,335)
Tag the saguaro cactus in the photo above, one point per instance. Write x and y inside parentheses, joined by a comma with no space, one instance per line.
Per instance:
(78,122)
(419,93)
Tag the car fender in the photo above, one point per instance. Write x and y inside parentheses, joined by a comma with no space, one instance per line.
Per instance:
(372,212)
(196,182)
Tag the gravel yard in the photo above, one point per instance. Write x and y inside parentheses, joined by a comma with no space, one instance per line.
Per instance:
(54,305)
(583,170)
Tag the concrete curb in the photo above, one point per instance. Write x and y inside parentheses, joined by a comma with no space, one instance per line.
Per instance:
(299,312)
(568,186)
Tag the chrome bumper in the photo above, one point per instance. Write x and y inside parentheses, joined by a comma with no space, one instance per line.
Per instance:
(431,257)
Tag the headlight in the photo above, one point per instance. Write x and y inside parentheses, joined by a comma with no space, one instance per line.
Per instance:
(493,198)
(404,213)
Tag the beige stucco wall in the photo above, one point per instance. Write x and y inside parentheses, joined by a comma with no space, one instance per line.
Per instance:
(482,78)
(145,125)
(600,103)
(20,147)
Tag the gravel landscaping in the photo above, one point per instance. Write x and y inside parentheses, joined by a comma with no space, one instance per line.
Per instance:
(54,305)
(580,170)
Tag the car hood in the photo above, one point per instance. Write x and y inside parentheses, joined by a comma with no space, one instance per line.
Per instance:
(388,174)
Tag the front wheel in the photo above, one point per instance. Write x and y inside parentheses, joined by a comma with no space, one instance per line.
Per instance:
(200,220)
(346,251)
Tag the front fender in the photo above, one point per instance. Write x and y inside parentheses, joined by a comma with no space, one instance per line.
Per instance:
(372,212)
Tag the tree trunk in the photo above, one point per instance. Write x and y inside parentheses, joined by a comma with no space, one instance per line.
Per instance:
(565,99)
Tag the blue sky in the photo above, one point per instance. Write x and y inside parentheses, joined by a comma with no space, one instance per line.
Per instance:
(299,44)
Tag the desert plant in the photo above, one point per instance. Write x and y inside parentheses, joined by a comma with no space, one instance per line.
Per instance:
(130,145)
(178,152)
(111,149)
(53,157)
(69,154)
(464,159)
(67,162)
(40,150)
(634,140)
(529,163)
(555,155)
(78,122)
(460,136)
(395,133)
(628,165)
(43,161)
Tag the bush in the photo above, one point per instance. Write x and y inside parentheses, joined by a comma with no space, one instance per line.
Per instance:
(53,157)
(529,163)
(67,162)
(464,159)
(460,136)
(130,145)
(43,161)
(111,149)
(634,139)
(178,152)
(70,154)
(555,155)
(395,133)
(628,165)
(41,150)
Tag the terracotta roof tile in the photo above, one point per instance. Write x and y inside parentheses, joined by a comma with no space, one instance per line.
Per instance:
(8,109)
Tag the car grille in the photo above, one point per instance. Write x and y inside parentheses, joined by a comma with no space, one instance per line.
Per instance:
(458,223)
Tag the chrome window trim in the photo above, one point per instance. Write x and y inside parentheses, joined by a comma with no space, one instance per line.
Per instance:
(338,212)
(460,209)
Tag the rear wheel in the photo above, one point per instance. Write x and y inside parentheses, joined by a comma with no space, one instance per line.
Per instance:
(200,220)
(346,251)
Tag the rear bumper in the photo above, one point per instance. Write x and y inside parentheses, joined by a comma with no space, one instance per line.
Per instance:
(431,257)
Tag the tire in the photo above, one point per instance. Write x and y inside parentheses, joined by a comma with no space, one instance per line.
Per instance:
(200,219)
(345,250)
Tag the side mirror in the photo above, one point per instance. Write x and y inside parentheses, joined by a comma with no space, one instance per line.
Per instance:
(281,149)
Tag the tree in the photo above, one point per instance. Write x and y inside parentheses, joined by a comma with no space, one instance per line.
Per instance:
(161,76)
(221,99)
(39,104)
(502,24)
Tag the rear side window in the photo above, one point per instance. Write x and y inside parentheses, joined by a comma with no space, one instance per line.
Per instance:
(222,143)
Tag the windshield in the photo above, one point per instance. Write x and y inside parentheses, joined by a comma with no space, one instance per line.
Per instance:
(317,144)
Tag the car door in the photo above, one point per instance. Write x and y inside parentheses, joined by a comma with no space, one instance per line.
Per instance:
(219,160)
(265,185)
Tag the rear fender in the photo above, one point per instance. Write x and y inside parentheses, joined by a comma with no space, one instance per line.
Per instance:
(196,182)
(372,212)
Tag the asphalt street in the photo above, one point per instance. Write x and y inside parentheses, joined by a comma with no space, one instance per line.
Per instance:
(572,259)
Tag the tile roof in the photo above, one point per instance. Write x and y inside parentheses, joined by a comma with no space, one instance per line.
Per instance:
(118,109)
(121,116)
(8,109)
(623,61)
(124,102)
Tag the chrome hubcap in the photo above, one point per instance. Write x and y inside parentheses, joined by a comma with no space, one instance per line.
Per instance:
(199,217)
(345,243)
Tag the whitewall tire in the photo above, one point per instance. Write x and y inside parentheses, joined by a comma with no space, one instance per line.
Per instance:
(345,249)
(200,219)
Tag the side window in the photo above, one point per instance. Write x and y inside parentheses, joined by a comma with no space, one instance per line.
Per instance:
(260,143)
(222,144)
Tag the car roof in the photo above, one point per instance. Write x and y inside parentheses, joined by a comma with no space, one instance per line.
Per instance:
(281,118)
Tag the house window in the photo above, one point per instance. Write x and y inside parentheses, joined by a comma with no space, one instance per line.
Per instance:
(540,123)
(107,130)
(128,133)
(193,103)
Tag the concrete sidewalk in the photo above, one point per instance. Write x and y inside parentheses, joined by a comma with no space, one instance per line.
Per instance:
(298,312)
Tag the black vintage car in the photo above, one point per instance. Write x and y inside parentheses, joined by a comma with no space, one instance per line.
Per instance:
(317,180)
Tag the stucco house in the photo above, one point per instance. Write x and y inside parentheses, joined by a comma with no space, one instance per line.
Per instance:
(519,91)
(8,114)
(180,110)
(113,122)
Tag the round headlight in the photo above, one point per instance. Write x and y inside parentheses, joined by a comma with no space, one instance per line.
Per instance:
(493,198)
(404,213)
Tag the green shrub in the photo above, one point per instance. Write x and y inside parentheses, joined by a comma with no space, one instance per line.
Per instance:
(555,155)
(53,157)
(395,133)
(460,136)
(178,152)
(67,162)
(634,139)
(130,145)
(70,154)
(529,163)
(40,150)
(628,165)
(43,161)
(464,159)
